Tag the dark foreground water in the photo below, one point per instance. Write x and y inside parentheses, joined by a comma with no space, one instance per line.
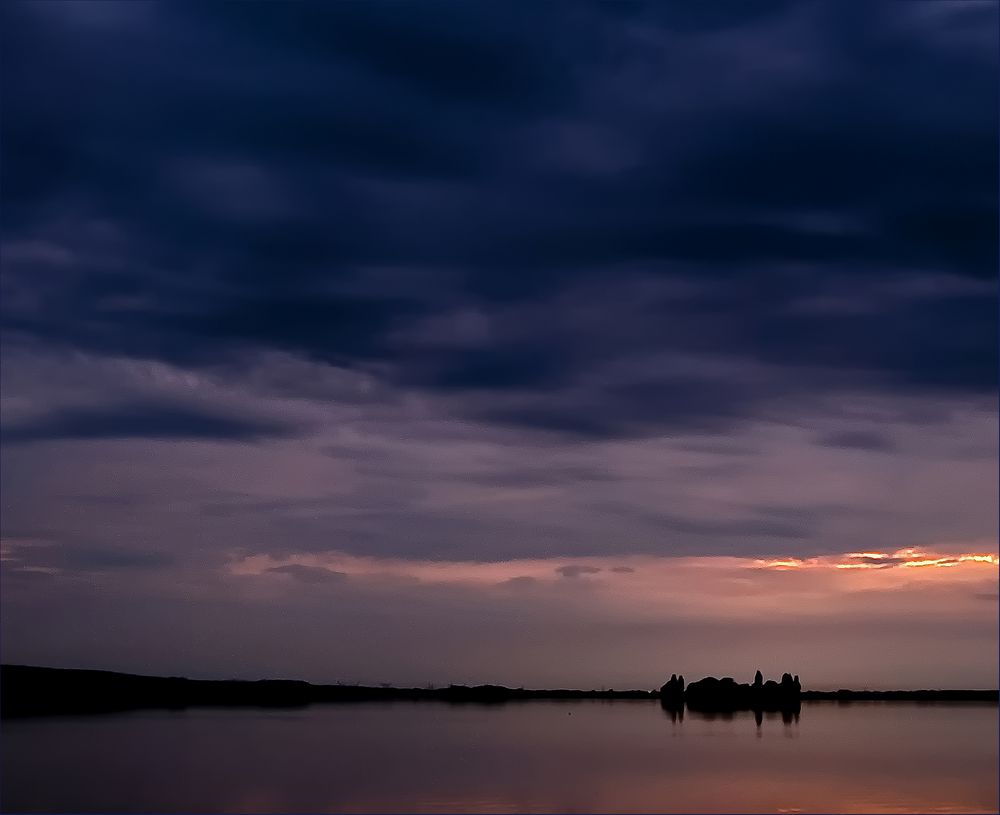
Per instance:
(529,757)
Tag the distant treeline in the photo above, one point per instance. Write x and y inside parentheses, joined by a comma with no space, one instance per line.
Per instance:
(34,691)
(900,695)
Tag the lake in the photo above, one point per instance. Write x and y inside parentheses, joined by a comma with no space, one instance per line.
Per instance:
(584,756)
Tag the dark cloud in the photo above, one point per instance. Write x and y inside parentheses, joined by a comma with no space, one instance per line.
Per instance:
(148,420)
(498,369)
(559,227)
(308,574)
(75,557)
(250,181)
(858,440)
(767,522)
(547,280)
(536,476)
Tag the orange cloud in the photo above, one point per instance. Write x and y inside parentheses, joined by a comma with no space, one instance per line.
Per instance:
(902,558)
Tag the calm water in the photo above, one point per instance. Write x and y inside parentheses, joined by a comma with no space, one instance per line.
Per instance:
(536,757)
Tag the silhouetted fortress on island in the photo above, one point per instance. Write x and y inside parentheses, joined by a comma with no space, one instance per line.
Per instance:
(727,694)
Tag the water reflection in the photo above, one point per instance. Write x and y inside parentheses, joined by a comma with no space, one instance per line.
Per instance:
(676,714)
(789,716)
(529,757)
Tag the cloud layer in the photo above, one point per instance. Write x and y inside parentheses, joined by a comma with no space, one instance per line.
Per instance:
(462,284)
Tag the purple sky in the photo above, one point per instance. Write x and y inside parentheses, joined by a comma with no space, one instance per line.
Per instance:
(559,344)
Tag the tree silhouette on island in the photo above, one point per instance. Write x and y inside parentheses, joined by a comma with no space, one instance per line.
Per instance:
(711,693)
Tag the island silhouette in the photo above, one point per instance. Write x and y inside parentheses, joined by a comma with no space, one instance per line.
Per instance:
(39,691)
(726,694)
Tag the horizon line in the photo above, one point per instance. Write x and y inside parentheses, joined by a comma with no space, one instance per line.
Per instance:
(518,688)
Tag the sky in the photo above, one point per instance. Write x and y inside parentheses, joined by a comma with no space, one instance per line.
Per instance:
(558,344)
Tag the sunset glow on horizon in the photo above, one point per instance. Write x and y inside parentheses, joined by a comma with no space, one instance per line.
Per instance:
(343,565)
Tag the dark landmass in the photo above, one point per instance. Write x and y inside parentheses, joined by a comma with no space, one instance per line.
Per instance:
(35,691)
(727,694)
(900,696)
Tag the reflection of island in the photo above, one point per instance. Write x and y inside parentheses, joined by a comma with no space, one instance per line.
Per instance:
(31,691)
(788,716)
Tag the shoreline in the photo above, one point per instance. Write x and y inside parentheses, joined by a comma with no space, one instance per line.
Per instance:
(27,691)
